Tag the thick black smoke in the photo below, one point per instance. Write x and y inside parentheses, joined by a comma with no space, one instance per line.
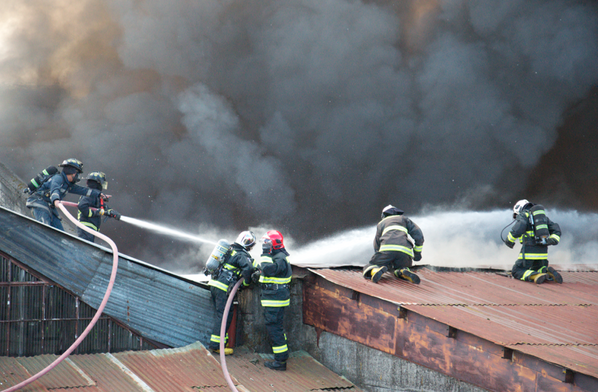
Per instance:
(306,116)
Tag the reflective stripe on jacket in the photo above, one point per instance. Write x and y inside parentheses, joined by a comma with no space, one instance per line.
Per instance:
(392,235)
(276,270)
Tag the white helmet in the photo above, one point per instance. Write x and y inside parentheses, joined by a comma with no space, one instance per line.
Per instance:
(246,239)
(519,206)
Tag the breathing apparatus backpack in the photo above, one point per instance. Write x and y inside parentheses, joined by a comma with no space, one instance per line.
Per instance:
(42,177)
(217,258)
(539,222)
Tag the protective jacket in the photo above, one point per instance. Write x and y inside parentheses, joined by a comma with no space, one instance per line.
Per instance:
(391,235)
(55,189)
(239,264)
(275,278)
(523,231)
(89,212)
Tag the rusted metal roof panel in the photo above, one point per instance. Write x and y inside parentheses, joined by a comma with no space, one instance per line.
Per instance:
(194,366)
(556,323)
(303,374)
(188,369)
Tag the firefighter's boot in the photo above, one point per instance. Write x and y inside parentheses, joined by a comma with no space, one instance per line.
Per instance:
(554,275)
(377,273)
(276,365)
(227,351)
(405,273)
(538,278)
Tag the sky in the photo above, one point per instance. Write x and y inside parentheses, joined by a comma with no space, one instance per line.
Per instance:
(307,117)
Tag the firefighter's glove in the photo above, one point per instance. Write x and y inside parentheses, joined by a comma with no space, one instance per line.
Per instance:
(114,214)
(417,256)
(104,197)
(510,244)
(551,241)
(255,277)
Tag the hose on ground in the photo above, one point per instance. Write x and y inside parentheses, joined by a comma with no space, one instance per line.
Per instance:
(97,314)
(229,302)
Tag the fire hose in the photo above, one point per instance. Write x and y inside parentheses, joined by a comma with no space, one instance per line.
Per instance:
(98,312)
(229,302)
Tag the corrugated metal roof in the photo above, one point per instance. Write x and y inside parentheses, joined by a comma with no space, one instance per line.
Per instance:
(189,368)
(162,306)
(556,323)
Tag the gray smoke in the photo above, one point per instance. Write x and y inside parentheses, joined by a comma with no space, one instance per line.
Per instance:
(303,116)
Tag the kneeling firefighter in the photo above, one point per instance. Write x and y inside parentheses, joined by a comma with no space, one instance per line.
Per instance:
(535,231)
(236,263)
(274,273)
(92,208)
(394,250)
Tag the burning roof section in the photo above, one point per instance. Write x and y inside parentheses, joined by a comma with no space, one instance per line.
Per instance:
(550,323)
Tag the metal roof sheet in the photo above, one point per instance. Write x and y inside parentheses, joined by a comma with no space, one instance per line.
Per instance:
(557,323)
(189,368)
(161,305)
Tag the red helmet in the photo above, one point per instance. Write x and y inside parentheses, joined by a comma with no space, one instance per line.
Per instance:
(275,237)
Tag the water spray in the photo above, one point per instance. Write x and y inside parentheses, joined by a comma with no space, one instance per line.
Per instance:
(155,227)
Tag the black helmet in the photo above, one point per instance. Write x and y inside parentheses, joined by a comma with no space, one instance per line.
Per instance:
(98,177)
(74,163)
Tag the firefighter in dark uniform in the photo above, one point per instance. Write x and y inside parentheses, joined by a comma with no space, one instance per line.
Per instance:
(44,200)
(92,208)
(238,264)
(274,271)
(394,250)
(535,231)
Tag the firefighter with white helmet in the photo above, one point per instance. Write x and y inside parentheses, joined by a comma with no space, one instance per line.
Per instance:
(238,263)
(43,201)
(535,231)
(394,250)
(274,273)
(93,208)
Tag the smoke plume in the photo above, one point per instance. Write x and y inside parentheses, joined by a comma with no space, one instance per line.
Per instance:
(303,116)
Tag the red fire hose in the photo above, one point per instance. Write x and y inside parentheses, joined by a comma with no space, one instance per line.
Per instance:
(98,312)
(229,302)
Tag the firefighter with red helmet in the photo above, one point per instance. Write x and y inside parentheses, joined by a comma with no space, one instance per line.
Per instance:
(44,200)
(238,263)
(535,231)
(274,272)
(93,208)
(394,250)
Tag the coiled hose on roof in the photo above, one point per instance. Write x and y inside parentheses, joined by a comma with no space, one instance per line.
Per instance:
(98,312)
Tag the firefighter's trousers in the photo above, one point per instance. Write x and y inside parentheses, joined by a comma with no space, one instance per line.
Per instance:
(274,318)
(219,298)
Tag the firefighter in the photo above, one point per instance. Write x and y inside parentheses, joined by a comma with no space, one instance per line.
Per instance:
(92,209)
(44,200)
(236,265)
(394,250)
(535,231)
(274,275)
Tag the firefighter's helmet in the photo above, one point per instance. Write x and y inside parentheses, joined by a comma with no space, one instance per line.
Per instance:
(275,238)
(390,210)
(519,206)
(98,177)
(74,163)
(246,239)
